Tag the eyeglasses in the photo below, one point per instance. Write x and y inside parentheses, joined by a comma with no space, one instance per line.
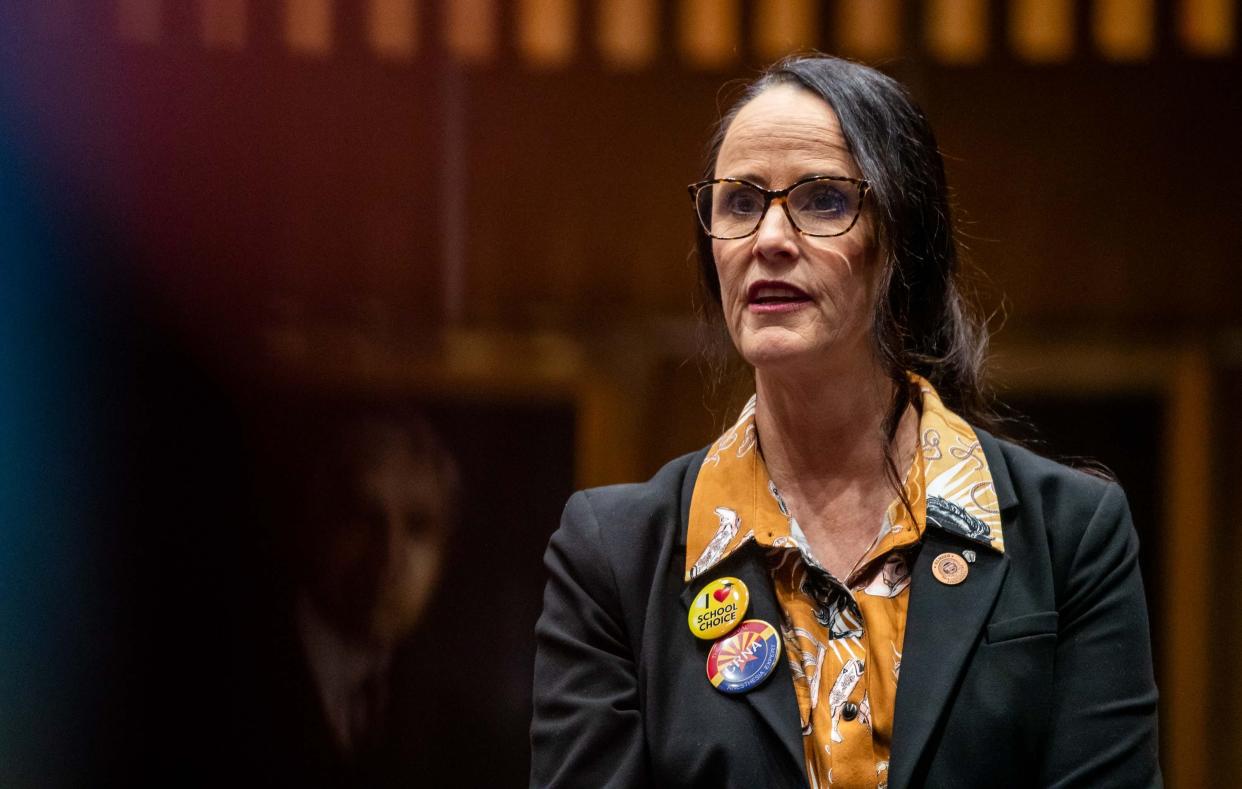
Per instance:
(821,206)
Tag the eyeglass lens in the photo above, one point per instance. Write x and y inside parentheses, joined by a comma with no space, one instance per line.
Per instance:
(819,208)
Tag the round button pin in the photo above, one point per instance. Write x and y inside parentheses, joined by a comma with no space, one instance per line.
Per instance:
(949,568)
(743,659)
(718,608)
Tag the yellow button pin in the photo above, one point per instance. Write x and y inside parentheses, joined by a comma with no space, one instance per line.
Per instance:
(718,608)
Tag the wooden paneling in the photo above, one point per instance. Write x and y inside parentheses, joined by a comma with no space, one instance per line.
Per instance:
(869,29)
(139,21)
(1208,27)
(1124,29)
(471,29)
(709,32)
(957,30)
(1192,528)
(1042,31)
(309,26)
(224,24)
(547,31)
(627,32)
(392,28)
(785,26)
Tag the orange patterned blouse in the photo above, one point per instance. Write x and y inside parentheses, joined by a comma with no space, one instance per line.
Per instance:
(843,638)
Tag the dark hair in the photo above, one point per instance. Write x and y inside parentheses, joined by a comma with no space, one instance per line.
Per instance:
(922,321)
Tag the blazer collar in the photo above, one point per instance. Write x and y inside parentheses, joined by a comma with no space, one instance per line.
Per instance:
(1002,482)
(1006,496)
(734,501)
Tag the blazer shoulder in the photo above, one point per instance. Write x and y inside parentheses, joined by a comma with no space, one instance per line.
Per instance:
(1062,500)
(627,526)
(1028,472)
(614,541)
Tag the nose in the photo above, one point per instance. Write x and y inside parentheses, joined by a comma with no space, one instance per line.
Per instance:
(775,236)
(394,539)
(383,542)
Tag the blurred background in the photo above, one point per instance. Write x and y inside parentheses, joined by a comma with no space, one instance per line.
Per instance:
(238,235)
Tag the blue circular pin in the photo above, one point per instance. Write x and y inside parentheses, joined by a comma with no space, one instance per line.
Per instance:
(743,659)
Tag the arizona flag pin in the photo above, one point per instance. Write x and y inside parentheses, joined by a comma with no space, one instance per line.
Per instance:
(743,659)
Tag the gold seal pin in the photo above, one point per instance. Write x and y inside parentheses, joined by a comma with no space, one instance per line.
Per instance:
(949,568)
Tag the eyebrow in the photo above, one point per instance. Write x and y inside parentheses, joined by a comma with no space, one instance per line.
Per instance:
(760,181)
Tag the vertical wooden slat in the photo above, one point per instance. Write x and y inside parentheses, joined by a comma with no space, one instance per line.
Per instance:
(869,29)
(454,210)
(392,28)
(1124,29)
(957,30)
(546,30)
(784,26)
(139,21)
(471,29)
(308,26)
(609,423)
(627,34)
(1042,30)
(709,32)
(1186,579)
(1208,27)
(223,23)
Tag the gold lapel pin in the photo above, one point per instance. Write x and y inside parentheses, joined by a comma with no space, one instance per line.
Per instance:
(950,569)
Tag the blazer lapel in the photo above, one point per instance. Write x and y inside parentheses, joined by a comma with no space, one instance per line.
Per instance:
(773,701)
(943,626)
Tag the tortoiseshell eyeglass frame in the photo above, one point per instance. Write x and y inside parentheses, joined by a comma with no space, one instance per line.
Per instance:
(773,194)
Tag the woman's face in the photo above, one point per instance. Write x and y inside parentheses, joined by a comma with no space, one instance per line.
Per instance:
(792,301)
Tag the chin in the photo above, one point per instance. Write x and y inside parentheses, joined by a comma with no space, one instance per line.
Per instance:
(777,349)
(769,356)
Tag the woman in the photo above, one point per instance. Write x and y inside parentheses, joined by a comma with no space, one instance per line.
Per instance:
(856,585)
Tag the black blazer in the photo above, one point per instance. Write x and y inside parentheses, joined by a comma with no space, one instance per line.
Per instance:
(1035,671)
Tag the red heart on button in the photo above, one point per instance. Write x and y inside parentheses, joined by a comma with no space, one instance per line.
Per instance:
(721,594)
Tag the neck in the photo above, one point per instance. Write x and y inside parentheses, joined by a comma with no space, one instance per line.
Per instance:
(829,426)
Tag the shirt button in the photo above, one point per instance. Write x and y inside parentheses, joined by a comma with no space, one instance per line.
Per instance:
(849,711)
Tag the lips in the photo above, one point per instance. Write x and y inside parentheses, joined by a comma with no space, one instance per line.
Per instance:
(775,292)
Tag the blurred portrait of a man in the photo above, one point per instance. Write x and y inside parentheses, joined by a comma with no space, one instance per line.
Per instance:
(378,510)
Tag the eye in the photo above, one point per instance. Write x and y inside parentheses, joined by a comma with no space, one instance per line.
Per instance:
(824,199)
(743,201)
(418,525)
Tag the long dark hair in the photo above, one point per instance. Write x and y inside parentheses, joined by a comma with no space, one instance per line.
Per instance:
(922,323)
